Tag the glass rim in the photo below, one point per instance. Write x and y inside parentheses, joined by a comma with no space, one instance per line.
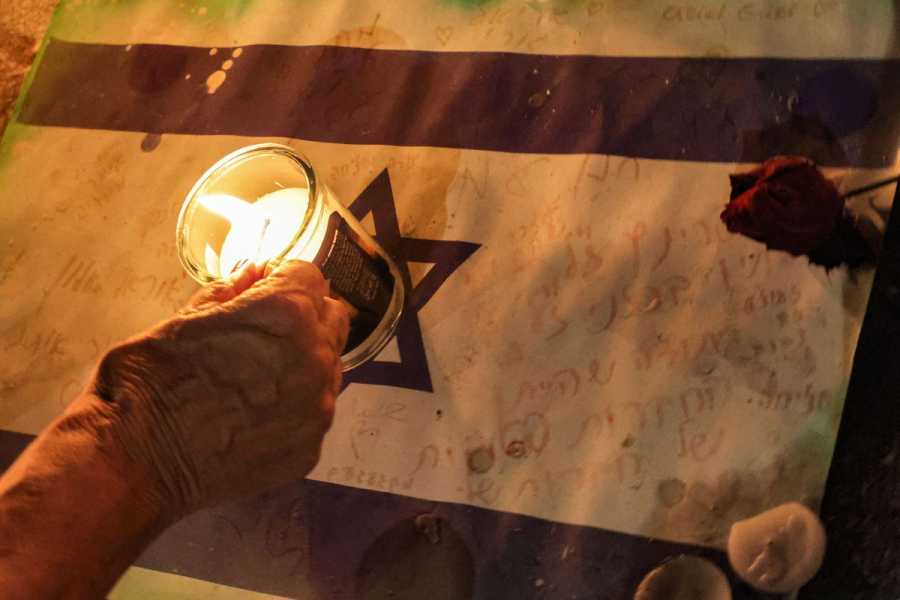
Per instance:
(222,164)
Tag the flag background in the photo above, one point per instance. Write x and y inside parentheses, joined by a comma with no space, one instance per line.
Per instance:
(661,377)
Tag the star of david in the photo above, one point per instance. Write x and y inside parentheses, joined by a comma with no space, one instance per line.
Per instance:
(446,256)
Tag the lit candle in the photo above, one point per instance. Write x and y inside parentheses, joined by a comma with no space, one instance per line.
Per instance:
(265,202)
(684,578)
(259,231)
(778,550)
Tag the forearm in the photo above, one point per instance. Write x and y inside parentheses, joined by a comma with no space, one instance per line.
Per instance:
(74,510)
(231,396)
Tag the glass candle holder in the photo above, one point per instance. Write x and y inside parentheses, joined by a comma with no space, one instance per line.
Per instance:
(265,203)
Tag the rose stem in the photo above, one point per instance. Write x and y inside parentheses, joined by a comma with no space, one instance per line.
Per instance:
(871,186)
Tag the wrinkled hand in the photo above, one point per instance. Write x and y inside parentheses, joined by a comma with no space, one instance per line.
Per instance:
(236,392)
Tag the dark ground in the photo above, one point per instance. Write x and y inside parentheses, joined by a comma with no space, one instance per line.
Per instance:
(22,25)
(861,507)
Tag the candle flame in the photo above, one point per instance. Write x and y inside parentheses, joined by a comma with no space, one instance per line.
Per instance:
(230,208)
(259,231)
(245,238)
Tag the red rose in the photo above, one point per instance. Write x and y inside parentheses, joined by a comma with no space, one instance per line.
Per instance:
(786,203)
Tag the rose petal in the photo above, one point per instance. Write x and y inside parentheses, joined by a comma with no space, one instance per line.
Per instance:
(789,205)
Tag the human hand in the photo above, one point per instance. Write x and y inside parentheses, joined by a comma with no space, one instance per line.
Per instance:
(235,393)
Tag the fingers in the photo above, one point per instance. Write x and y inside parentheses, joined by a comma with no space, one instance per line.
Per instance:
(329,398)
(246,277)
(301,279)
(337,323)
(291,277)
(338,378)
(217,292)
(294,278)
(292,301)
(352,310)
(300,275)
(222,291)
